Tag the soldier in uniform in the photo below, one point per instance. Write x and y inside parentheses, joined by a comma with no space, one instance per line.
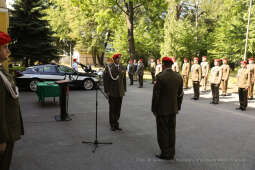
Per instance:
(243,79)
(196,73)
(215,79)
(175,66)
(251,68)
(153,69)
(185,73)
(225,76)
(158,67)
(140,72)
(166,102)
(11,125)
(205,70)
(131,70)
(115,88)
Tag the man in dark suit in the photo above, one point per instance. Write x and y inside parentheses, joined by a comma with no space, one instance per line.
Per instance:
(115,88)
(166,102)
(11,125)
(140,72)
(131,70)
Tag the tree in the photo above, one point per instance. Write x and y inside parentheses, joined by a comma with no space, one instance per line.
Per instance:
(128,7)
(31,34)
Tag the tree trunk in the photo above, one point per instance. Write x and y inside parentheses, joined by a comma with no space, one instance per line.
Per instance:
(101,58)
(94,54)
(26,61)
(130,25)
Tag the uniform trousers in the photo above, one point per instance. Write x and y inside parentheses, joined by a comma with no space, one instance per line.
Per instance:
(250,90)
(6,157)
(204,83)
(131,77)
(166,130)
(140,80)
(215,93)
(196,85)
(153,77)
(114,110)
(224,86)
(185,81)
(243,100)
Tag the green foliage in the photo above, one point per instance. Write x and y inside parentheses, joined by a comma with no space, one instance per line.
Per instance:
(180,28)
(30,32)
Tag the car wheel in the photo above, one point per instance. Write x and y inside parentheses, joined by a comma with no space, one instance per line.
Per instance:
(33,85)
(88,84)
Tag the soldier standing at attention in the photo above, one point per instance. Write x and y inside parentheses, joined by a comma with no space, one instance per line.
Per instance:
(131,70)
(175,66)
(243,79)
(185,73)
(166,102)
(140,72)
(225,76)
(251,67)
(158,67)
(215,79)
(115,88)
(153,69)
(205,70)
(11,125)
(196,74)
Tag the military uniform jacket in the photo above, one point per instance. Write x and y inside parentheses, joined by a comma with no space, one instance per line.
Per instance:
(225,71)
(140,69)
(115,80)
(153,67)
(205,68)
(175,67)
(11,124)
(185,69)
(243,78)
(216,75)
(251,68)
(131,69)
(167,93)
(196,72)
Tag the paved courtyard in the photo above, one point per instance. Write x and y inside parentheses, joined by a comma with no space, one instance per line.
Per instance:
(209,137)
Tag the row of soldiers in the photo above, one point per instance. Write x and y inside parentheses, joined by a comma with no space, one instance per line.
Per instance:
(219,75)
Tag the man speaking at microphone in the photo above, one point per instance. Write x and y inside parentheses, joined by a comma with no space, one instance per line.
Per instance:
(166,102)
(115,87)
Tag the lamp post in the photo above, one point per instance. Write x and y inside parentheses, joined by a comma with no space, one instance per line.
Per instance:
(4,21)
(247,33)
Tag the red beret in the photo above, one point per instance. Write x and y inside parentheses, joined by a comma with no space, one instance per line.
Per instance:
(4,38)
(251,58)
(204,57)
(115,56)
(243,62)
(141,60)
(196,58)
(167,59)
(74,59)
(217,60)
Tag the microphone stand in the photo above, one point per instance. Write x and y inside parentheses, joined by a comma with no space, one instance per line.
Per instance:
(96,143)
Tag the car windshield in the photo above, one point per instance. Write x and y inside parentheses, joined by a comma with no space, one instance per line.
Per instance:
(64,69)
